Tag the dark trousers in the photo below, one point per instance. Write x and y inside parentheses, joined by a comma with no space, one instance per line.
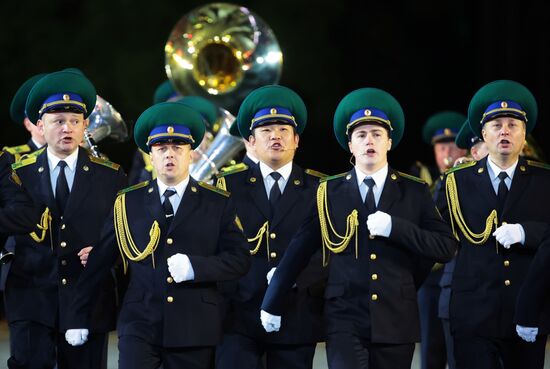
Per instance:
(241,352)
(135,353)
(432,345)
(348,351)
(34,345)
(449,343)
(491,353)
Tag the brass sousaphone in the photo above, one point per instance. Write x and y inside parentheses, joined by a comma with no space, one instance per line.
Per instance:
(221,52)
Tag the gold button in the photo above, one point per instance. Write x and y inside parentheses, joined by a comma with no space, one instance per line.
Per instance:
(63,244)
(374,277)
(63,226)
(273,254)
(503,223)
(63,262)
(374,297)
(373,256)
(169,280)
(273,236)
(169,241)
(64,281)
(170,299)
(371,236)
(507,282)
(506,263)
(194,189)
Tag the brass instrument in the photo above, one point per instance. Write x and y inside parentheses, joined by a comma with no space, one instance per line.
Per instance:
(223,148)
(222,52)
(105,122)
(6,256)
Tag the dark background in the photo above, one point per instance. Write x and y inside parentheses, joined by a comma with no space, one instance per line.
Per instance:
(431,55)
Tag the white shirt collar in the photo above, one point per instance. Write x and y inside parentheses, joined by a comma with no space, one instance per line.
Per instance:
(495,170)
(253,158)
(284,171)
(179,188)
(53,160)
(379,176)
(36,143)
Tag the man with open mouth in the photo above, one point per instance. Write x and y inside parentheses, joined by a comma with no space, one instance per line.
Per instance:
(177,238)
(78,191)
(499,211)
(379,233)
(272,199)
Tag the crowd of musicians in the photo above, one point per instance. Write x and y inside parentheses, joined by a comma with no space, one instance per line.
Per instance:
(252,268)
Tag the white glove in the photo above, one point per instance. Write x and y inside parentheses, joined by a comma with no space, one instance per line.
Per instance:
(509,234)
(76,337)
(180,268)
(271,323)
(528,334)
(379,224)
(269,275)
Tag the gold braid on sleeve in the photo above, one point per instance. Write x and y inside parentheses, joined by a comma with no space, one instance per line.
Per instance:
(457,219)
(126,245)
(352,223)
(45,224)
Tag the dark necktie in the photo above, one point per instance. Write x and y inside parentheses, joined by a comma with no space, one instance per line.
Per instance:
(167,205)
(369,199)
(61,188)
(275,193)
(502,191)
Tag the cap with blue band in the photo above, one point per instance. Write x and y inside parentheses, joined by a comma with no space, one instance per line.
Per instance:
(272,115)
(63,101)
(368,115)
(503,108)
(175,132)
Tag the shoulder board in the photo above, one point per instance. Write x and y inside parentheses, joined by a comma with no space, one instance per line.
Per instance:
(1,153)
(329,178)
(538,164)
(214,189)
(134,187)
(232,169)
(412,178)
(104,162)
(21,149)
(462,166)
(23,163)
(32,154)
(315,173)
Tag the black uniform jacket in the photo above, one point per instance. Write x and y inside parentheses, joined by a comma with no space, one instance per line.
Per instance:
(155,308)
(304,303)
(42,280)
(533,302)
(373,294)
(17,212)
(487,277)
